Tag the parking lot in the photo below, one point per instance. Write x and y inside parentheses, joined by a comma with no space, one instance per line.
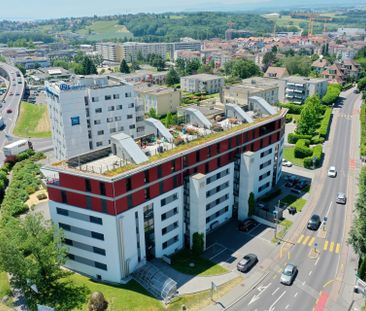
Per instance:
(227,245)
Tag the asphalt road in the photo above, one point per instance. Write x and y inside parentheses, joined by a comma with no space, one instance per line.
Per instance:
(317,270)
(13,102)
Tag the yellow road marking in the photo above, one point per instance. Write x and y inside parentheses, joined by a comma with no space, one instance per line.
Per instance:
(311,242)
(300,239)
(305,240)
(338,248)
(329,282)
(326,245)
(331,247)
(288,256)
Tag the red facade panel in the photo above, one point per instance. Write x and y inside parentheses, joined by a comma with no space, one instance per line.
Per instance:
(72,182)
(54,194)
(213,150)
(95,186)
(168,184)
(110,208)
(265,142)
(256,133)
(138,197)
(212,165)
(203,154)
(166,168)
(120,187)
(121,205)
(96,205)
(191,159)
(137,180)
(153,174)
(76,199)
(154,190)
(178,164)
(256,145)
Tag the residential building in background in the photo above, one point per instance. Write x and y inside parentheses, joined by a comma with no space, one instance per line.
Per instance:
(276,72)
(87,111)
(131,50)
(31,62)
(124,204)
(160,98)
(51,74)
(202,83)
(297,89)
(268,89)
(110,51)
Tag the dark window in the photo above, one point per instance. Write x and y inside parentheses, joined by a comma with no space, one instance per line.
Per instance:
(100,265)
(87,185)
(97,235)
(64,226)
(62,211)
(146,176)
(129,201)
(104,205)
(128,184)
(64,196)
(96,220)
(160,171)
(88,201)
(68,242)
(102,188)
(99,251)
(147,193)
(172,168)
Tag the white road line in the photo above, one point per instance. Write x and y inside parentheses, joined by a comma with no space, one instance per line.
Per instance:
(327,213)
(296,294)
(310,273)
(303,283)
(287,307)
(272,307)
(275,291)
(316,261)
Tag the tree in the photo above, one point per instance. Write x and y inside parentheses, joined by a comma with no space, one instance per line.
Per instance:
(153,114)
(298,65)
(241,68)
(97,302)
(198,243)
(168,119)
(309,116)
(251,204)
(124,67)
(181,65)
(31,251)
(361,84)
(134,66)
(268,59)
(88,66)
(21,68)
(332,94)
(172,77)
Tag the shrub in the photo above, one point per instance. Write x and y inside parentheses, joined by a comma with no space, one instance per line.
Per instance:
(288,118)
(317,140)
(293,138)
(41,196)
(292,108)
(316,158)
(347,86)
(197,243)
(332,94)
(324,125)
(302,149)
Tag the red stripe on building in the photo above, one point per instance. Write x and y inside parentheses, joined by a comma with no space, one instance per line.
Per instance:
(322,301)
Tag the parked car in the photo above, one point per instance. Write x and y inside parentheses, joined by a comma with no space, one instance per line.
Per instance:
(11,94)
(247,225)
(292,210)
(302,184)
(332,172)
(286,163)
(289,274)
(341,198)
(356,91)
(247,263)
(9,110)
(314,222)
(292,181)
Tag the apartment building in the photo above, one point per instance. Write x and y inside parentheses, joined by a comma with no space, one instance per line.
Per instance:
(131,50)
(202,83)
(161,99)
(85,112)
(268,89)
(297,89)
(110,51)
(139,199)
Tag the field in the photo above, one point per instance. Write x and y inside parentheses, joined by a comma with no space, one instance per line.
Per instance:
(33,121)
(105,30)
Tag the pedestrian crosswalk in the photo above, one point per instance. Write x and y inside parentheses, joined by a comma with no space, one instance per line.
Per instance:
(345,116)
(327,246)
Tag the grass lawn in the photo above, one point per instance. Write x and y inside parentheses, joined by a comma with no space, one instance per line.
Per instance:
(4,284)
(202,266)
(288,154)
(33,121)
(295,117)
(105,30)
(283,227)
(293,200)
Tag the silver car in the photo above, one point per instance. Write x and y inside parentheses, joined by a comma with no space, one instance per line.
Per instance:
(341,198)
(289,274)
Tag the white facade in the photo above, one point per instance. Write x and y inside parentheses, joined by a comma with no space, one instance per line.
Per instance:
(202,83)
(84,116)
(110,51)
(131,50)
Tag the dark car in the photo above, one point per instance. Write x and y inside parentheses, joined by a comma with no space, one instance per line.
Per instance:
(292,210)
(302,184)
(247,225)
(9,111)
(247,263)
(314,222)
(289,274)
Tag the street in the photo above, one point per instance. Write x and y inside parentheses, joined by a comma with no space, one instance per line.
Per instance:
(317,254)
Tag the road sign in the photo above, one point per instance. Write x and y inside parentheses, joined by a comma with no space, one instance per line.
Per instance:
(325,218)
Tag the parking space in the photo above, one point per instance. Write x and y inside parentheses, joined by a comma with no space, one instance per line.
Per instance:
(227,245)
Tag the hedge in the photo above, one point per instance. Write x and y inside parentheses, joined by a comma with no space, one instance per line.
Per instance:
(302,149)
(292,108)
(332,94)
(288,118)
(347,86)
(363,129)
(317,140)
(324,124)
(316,158)
(292,138)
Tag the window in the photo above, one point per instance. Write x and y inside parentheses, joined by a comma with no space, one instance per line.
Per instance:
(217,202)
(121,128)
(169,228)
(97,235)
(265,186)
(170,242)
(111,108)
(115,96)
(217,214)
(87,185)
(217,189)
(169,214)
(131,105)
(265,164)
(75,121)
(98,110)
(96,122)
(217,176)
(101,132)
(87,262)
(132,126)
(109,120)
(96,220)
(108,97)
(169,199)
(112,130)
(119,107)
(119,118)
(129,116)
(128,94)
(99,143)
(62,211)
(95,99)
(63,196)
(265,153)
(264,175)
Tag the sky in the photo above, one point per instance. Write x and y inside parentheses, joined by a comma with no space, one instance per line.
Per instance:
(46,9)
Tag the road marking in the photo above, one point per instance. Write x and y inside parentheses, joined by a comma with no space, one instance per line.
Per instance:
(303,283)
(274,277)
(261,289)
(275,291)
(311,242)
(338,248)
(327,213)
(310,273)
(300,239)
(296,294)
(326,245)
(305,240)
(329,282)
(316,261)
(288,256)
(272,307)
(331,247)
(287,307)
(320,306)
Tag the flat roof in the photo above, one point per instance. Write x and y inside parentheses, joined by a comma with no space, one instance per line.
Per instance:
(203,76)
